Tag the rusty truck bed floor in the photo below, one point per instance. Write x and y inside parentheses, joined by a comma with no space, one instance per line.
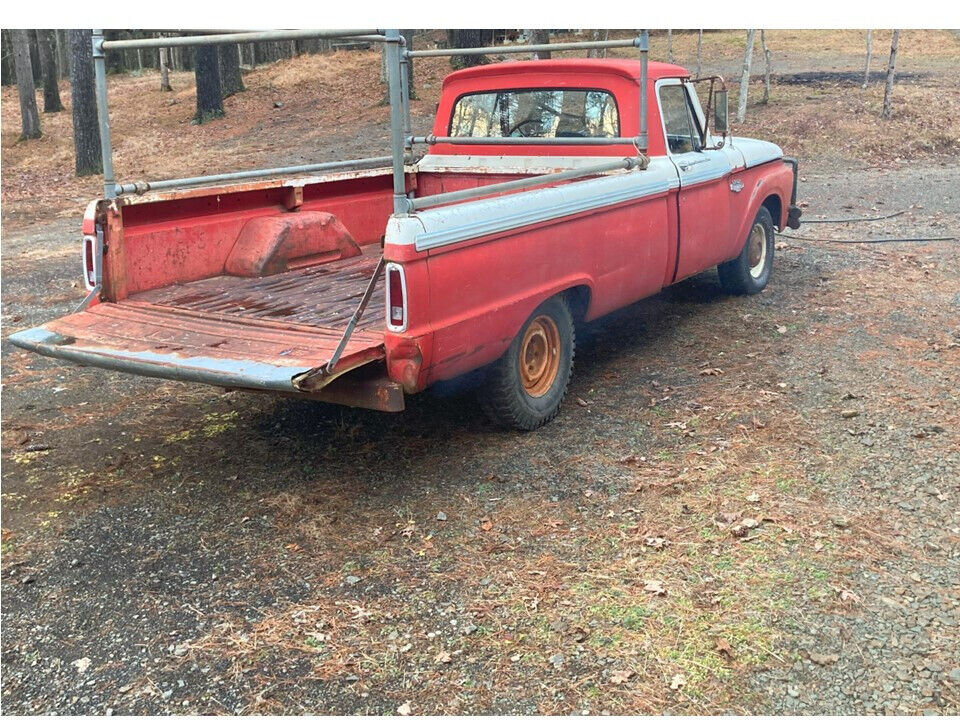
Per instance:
(254,333)
(321,295)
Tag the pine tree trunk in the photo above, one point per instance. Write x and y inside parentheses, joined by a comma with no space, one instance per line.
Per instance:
(86,129)
(209,92)
(766,70)
(63,65)
(231,79)
(745,77)
(466,39)
(539,37)
(408,38)
(29,117)
(670,46)
(48,65)
(891,68)
(866,69)
(597,36)
(699,52)
(165,70)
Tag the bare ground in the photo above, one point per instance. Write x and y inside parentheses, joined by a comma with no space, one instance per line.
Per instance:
(746,505)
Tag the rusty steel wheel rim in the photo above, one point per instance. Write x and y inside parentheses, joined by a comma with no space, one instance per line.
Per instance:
(540,356)
(757,250)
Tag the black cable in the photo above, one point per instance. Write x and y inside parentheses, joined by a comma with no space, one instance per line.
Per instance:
(867,240)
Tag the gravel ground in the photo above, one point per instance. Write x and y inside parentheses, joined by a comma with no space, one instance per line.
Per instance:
(171,548)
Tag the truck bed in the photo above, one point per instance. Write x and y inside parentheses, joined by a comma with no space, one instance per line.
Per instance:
(321,295)
(251,333)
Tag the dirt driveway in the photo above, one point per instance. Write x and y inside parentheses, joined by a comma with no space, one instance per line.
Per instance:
(745,505)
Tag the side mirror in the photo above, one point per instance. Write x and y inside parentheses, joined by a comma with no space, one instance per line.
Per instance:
(720,125)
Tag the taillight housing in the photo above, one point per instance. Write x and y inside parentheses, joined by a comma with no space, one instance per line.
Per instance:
(91,262)
(396,298)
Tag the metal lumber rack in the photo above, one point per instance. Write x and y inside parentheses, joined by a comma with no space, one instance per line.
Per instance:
(401,137)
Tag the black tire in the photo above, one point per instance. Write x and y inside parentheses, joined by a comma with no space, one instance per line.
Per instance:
(506,399)
(744,275)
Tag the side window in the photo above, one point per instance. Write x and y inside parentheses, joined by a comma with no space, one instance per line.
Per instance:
(678,120)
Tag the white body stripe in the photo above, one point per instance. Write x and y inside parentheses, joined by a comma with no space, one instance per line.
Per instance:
(441,226)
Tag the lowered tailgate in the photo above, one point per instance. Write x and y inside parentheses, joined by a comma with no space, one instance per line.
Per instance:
(251,333)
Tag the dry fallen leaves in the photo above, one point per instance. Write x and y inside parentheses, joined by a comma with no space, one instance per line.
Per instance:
(711,371)
(486,524)
(655,587)
(723,647)
(443,657)
(677,681)
(618,677)
(404,709)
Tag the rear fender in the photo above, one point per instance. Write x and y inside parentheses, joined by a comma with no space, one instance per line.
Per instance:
(481,337)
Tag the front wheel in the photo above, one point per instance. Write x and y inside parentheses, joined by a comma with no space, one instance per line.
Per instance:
(749,272)
(526,386)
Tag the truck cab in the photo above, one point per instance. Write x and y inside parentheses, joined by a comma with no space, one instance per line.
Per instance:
(534,209)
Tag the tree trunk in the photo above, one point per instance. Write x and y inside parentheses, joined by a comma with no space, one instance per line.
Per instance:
(866,69)
(86,129)
(699,52)
(539,37)
(165,70)
(408,38)
(29,117)
(669,46)
(466,39)
(766,69)
(745,77)
(231,80)
(63,64)
(598,36)
(209,91)
(891,68)
(48,65)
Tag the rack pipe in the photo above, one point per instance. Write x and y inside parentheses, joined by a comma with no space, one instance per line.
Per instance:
(499,49)
(433,140)
(138,188)
(103,114)
(241,37)
(444,198)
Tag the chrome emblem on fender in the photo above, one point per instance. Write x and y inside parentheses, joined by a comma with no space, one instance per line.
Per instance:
(736,185)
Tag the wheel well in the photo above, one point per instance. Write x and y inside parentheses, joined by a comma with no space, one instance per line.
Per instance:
(775,207)
(578,298)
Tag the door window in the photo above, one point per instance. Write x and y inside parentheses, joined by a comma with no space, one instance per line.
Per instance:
(682,135)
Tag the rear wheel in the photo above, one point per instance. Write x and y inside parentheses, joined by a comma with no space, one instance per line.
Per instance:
(749,272)
(526,386)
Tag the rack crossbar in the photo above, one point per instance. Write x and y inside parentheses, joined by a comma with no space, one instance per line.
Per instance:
(443,198)
(434,140)
(241,37)
(499,49)
(138,188)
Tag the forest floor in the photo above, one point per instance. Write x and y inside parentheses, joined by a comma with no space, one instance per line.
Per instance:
(746,505)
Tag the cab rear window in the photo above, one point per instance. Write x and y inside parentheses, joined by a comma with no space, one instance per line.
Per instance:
(536,113)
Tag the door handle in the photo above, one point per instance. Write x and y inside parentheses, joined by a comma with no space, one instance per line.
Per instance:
(687,165)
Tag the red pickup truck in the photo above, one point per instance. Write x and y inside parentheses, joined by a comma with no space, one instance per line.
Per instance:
(254,285)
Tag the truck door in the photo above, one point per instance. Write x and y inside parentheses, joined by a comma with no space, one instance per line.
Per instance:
(703,200)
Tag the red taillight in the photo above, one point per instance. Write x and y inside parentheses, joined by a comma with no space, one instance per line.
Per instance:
(396,299)
(89,261)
